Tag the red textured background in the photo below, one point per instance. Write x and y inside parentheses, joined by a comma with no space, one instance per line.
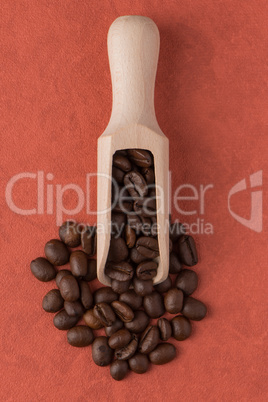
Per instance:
(211,101)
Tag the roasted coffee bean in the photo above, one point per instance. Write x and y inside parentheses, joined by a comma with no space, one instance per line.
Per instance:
(61,274)
(88,240)
(92,321)
(119,286)
(105,295)
(127,351)
(120,271)
(78,263)
(186,250)
(56,252)
(119,369)
(164,329)
(85,295)
(135,184)
(149,339)
(173,301)
(43,270)
(139,322)
(63,321)
(143,288)
(52,302)
(164,286)
(118,175)
(139,363)
(132,299)
(118,222)
(80,336)
(130,236)
(174,263)
(91,270)
(176,229)
(187,281)
(120,339)
(136,257)
(148,174)
(122,207)
(146,270)
(69,233)
(118,250)
(170,246)
(140,157)
(116,325)
(104,313)
(148,246)
(74,309)
(163,353)
(121,162)
(123,311)
(69,288)
(102,354)
(153,305)
(181,327)
(194,309)
(145,206)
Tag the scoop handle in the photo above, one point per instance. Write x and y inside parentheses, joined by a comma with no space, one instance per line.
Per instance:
(133,49)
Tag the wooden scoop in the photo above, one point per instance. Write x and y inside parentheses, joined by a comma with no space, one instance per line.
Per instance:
(133,48)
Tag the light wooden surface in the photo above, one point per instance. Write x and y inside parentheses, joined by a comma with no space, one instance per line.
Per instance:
(133,48)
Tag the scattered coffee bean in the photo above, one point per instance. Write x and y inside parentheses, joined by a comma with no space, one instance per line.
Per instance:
(146,270)
(43,270)
(187,281)
(105,295)
(116,325)
(104,313)
(69,233)
(164,286)
(74,309)
(91,270)
(176,229)
(61,274)
(186,250)
(123,311)
(174,263)
(78,263)
(139,322)
(119,286)
(120,339)
(91,320)
(127,351)
(181,327)
(194,309)
(85,295)
(139,363)
(119,369)
(143,288)
(149,339)
(56,252)
(80,336)
(102,354)
(131,298)
(153,305)
(69,288)
(52,302)
(173,301)
(63,321)
(163,353)
(88,240)
(121,271)
(164,329)
(136,257)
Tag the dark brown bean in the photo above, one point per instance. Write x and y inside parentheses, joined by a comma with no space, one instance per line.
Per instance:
(187,281)
(173,301)
(120,339)
(186,250)
(43,270)
(74,309)
(61,274)
(139,363)
(127,351)
(164,286)
(63,321)
(146,270)
(91,270)
(116,325)
(132,299)
(104,313)
(181,327)
(139,322)
(52,302)
(69,288)
(140,157)
(105,295)
(80,336)
(118,175)
(153,305)
(119,369)
(78,263)
(121,162)
(148,246)
(85,295)
(136,257)
(69,233)
(119,286)
(118,250)
(56,252)
(102,354)
(145,206)
(194,309)
(123,311)
(174,263)
(118,223)
(135,184)
(92,321)
(176,229)
(142,288)
(164,329)
(130,236)
(149,339)
(88,240)
(163,353)
(120,271)
(148,174)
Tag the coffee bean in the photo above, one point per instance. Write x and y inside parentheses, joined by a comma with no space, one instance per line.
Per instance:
(118,175)
(116,325)
(118,223)
(56,252)
(186,250)
(145,206)
(140,157)
(123,311)
(121,162)
(52,302)
(118,250)
(69,288)
(136,257)
(91,320)
(119,369)
(130,236)
(173,301)
(147,270)
(176,229)
(105,295)
(142,288)
(78,263)
(131,298)
(63,321)
(181,327)
(122,207)
(127,351)
(74,309)
(187,281)
(119,286)
(61,274)
(121,271)
(80,336)
(104,313)
(85,295)
(120,339)
(88,240)
(135,184)
(164,328)
(139,363)
(153,305)
(163,353)
(174,263)
(91,270)
(164,286)
(102,354)
(194,309)
(43,270)
(148,174)
(69,233)
(149,339)
(170,246)
(139,322)
(148,246)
